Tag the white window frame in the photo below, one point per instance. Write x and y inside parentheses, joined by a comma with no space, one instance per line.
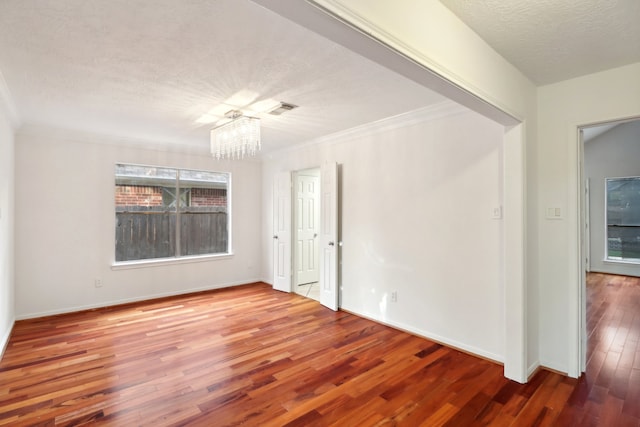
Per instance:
(177,259)
(608,258)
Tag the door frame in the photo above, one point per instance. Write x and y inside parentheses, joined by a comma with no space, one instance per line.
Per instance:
(294,211)
(578,301)
(335,243)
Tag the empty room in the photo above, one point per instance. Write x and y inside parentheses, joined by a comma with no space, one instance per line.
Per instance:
(323,212)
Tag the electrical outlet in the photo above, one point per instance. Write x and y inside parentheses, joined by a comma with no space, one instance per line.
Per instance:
(394,296)
(97,282)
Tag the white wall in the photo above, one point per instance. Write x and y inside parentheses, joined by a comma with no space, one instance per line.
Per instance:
(449,51)
(65,227)
(432,36)
(7,288)
(416,213)
(562,107)
(612,154)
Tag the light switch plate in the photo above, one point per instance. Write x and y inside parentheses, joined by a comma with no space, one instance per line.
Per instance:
(496,213)
(553,213)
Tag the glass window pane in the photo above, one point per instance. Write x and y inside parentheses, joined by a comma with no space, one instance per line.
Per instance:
(145,224)
(204,213)
(157,207)
(623,218)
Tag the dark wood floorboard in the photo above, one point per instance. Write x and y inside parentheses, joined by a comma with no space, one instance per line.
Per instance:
(257,357)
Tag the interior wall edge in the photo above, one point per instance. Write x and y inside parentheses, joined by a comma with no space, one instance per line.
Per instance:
(5,339)
(7,103)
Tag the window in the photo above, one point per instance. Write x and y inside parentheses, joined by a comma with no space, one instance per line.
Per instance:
(166,213)
(623,219)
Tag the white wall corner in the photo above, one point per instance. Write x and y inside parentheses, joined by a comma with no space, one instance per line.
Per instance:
(5,339)
(515,365)
(533,367)
(6,103)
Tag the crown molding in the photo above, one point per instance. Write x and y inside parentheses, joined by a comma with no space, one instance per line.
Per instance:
(7,104)
(420,115)
(410,118)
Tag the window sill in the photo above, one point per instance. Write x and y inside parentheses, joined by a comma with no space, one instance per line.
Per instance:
(144,263)
(620,261)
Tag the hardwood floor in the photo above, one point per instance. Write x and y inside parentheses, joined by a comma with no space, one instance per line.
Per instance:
(253,356)
(608,394)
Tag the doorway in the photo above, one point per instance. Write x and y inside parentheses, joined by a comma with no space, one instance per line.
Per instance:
(306,222)
(609,219)
(327,234)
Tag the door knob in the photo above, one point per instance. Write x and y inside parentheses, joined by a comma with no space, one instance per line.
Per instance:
(331,244)
(275,237)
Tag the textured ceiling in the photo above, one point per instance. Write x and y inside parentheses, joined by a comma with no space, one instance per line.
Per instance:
(149,69)
(554,40)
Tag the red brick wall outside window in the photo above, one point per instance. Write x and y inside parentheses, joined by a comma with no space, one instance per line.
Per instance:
(138,195)
(208,197)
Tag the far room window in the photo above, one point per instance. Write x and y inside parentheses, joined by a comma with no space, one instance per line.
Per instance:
(623,219)
(168,213)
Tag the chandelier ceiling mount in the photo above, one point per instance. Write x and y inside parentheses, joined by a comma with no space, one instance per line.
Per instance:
(237,137)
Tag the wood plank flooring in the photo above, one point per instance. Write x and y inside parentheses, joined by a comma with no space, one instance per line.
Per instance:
(257,357)
(608,394)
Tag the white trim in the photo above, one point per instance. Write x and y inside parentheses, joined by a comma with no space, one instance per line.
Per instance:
(431,336)
(533,368)
(143,263)
(80,136)
(621,261)
(420,115)
(557,367)
(576,270)
(135,299)
(6,101)
(515,255)
(5,339)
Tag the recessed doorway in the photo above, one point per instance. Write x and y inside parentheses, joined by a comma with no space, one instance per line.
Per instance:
(284,230)
(609,215)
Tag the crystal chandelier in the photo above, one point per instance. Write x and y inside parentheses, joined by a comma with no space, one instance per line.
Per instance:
(237,138)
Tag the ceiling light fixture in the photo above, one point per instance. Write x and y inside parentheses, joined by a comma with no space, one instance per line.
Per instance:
(237,138)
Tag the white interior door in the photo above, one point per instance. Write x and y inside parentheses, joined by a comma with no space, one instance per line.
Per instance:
(329,236)
(307,211)
(282,232)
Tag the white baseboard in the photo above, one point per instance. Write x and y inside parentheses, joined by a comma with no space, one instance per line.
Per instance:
(533,368)
(5,339)
(132,299)
(556,367)
(434,337)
